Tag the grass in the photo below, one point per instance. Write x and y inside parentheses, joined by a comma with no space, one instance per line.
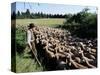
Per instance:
(26,63)
(51,22)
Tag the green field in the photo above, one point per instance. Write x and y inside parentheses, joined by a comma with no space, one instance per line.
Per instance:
(51,22)
(24,61)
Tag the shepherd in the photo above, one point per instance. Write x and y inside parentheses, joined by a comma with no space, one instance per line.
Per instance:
(31,40)
(30,36)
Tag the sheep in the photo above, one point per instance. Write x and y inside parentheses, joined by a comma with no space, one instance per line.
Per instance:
(60,45)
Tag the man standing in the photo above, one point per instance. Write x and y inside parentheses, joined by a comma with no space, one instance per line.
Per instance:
(31,38)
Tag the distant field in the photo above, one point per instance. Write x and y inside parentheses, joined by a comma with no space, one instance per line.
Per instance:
(51,22)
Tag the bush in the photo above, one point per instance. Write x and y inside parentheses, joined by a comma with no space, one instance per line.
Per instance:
(20,40)
(82,24)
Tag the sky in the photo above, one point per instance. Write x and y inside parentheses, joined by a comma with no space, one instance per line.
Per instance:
(51,8)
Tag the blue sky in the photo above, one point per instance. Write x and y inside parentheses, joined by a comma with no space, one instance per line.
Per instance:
(51,8)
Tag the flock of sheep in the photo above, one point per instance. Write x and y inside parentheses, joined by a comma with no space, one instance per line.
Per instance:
(67,50)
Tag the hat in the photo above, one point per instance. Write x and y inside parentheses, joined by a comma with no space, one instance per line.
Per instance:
(31,25)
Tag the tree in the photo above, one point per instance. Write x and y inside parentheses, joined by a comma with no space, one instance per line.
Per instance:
(85,22)
(18,15)
(27,14)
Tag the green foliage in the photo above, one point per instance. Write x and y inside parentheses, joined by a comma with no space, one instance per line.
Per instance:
(26,63)
(28,15)
(83,24)
(20,39)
